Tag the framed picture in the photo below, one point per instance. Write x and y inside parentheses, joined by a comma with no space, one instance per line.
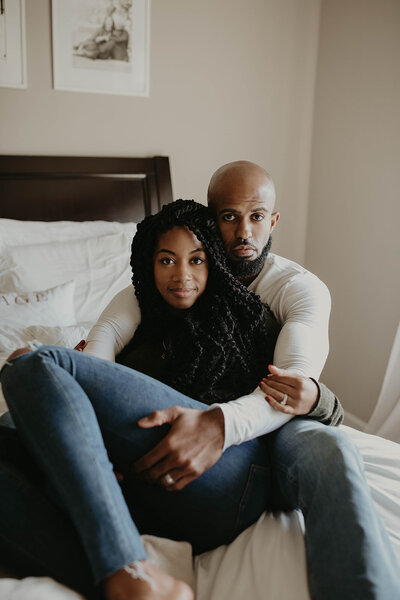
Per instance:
(101,46)
(12,44)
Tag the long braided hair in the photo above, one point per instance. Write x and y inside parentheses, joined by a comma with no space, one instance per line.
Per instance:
(219,348)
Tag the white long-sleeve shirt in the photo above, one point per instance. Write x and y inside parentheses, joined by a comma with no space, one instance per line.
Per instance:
(300,302)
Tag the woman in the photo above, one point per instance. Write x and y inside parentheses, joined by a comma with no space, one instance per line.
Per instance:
(203,335)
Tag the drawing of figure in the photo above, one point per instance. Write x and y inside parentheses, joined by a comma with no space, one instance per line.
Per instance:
(112,39)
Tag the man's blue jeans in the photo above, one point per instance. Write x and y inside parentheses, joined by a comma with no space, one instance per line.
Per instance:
(77,415)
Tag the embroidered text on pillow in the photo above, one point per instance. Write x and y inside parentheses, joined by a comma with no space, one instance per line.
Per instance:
(33,297)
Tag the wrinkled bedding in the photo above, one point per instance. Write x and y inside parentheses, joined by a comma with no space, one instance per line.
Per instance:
(257,563)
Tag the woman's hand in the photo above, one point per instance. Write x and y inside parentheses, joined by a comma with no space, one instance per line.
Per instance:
(81,346)
(288,392)
(18,352)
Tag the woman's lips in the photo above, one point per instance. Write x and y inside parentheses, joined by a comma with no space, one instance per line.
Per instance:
(182,292)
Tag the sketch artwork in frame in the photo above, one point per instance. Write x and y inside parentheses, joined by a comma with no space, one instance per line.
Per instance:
(12,44)
(101,46)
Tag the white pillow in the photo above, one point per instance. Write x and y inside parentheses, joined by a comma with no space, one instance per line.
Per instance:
(20,233)
(12,338)
(100,266)
(53,306)
(12,279)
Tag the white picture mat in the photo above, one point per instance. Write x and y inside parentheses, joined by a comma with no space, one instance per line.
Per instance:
(13,45)
(133,80)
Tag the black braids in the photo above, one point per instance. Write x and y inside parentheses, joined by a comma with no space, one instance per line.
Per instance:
(223,337)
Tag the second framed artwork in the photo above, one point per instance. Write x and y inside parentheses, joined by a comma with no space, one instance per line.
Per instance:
(101,46)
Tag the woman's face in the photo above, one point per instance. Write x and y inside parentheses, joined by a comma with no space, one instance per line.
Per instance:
(180,267)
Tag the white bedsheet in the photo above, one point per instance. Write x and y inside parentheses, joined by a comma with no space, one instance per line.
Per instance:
(257,563)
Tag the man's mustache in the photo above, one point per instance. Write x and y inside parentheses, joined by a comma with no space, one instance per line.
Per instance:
(244,243)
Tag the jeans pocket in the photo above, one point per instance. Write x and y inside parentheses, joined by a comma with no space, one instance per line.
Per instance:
(255,497)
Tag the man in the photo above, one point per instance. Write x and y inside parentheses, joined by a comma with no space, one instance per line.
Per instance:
(315,468)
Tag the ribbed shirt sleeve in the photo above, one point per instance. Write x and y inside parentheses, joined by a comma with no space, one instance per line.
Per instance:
(115,326)
(328,409)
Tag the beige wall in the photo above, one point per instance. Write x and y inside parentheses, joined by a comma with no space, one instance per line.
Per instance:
(229,80)
(353,239)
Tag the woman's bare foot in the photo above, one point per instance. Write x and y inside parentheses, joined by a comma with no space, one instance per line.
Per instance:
(122,585)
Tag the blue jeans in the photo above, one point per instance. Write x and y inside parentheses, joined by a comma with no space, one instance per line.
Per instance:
(77,417)
(349,554)
(315,468)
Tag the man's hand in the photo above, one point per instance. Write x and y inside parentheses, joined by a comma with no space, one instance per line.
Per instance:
(302,393)
(193,445)
(18,352)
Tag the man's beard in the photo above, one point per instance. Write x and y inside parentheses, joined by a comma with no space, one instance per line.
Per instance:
(249,268)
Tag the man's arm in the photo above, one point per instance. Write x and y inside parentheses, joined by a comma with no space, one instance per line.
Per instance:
(115,326)
(328,410)
(302,304)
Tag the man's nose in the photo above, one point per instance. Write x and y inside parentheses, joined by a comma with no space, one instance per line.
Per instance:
(243,229)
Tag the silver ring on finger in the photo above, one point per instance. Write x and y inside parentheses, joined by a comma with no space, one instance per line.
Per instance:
(284,400)
(168,479)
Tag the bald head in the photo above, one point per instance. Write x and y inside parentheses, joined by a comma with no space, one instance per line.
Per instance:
(243,180)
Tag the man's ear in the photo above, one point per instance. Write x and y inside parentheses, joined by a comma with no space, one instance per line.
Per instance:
(274,221)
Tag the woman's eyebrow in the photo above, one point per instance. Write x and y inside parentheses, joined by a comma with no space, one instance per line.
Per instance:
(165,250)
(174,253)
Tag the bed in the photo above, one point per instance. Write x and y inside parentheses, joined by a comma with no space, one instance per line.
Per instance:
(65,229)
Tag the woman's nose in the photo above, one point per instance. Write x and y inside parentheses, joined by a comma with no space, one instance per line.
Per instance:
(182,273)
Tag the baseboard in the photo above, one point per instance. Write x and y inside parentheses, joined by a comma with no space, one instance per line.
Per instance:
(353,421)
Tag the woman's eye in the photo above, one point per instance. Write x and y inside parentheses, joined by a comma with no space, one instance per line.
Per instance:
(166,261)
(198,261)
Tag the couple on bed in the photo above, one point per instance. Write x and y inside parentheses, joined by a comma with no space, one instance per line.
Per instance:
(171,439)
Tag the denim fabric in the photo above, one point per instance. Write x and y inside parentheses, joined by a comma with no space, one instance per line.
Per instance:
(36,537)
(77,416)
(319,470)
(86,400)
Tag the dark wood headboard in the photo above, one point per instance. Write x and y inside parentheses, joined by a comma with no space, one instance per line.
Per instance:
(54,188)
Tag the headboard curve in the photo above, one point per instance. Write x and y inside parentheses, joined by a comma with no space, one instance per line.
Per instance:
(80,188)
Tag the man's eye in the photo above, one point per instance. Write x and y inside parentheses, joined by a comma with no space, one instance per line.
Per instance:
(166,261)
(198,261)
(257,217)
(228,217)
